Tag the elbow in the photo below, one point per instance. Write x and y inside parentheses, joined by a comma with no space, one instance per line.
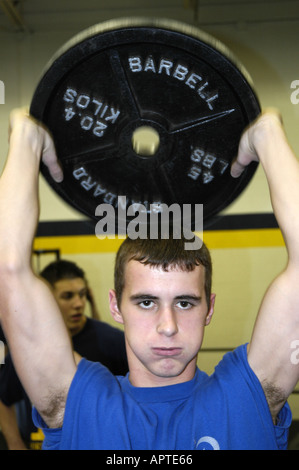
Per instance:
(10,267)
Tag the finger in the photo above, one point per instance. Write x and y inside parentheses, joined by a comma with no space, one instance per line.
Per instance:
(237,169)
(18,113)
(38,137)
(245,156)
(55,170)
(49,158)
(274,112)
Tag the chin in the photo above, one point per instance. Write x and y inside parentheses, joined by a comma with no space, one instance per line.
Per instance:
(170,370)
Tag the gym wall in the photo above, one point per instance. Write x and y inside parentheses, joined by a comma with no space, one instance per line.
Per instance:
(247,247)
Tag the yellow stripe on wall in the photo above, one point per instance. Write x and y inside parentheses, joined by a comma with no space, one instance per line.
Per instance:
(214,240)
(250,238)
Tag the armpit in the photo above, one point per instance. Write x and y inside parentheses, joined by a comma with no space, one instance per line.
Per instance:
(53,412)
(276,399)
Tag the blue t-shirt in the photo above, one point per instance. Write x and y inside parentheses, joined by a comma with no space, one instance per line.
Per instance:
(227,410)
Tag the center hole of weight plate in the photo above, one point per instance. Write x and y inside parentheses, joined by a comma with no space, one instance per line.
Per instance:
(145,141)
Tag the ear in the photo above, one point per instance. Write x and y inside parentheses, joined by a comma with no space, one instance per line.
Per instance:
(114,310)
(211,309)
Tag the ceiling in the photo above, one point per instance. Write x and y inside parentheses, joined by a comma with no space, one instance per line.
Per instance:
(44,15)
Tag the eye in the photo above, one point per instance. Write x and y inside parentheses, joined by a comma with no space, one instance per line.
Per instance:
(83,293)
(184,304)
(146,304)
(67,295)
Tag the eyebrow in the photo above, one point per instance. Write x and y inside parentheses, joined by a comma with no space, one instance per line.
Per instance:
(189,297)
(194,298)
(81,291)
(143,297)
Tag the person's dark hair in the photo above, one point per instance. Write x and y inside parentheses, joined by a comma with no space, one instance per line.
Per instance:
(62,269)
(165,253)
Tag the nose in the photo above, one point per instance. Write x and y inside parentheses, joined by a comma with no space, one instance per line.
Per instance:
(167,323)
(79,301)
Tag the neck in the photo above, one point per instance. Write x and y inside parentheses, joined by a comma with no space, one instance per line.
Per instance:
(75,331)
(140,376)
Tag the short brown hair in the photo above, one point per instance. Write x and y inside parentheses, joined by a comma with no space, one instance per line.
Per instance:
(62,269)
(164,253)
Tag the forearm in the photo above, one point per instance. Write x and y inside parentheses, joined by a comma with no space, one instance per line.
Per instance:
(9,427)
(282,171)
(19,207)
(265,141)
(19,204)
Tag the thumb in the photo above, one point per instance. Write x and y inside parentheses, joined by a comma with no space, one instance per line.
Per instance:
(237,169)
(246,154)
(49,158)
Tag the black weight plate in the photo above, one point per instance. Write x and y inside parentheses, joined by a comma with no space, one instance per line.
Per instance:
(120,75)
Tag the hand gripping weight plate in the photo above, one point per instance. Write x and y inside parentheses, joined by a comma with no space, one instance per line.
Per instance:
(151,110)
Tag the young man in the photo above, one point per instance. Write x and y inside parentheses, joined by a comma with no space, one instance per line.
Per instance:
(92,339)
(164,402)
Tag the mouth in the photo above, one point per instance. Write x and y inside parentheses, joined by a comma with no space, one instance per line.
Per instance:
(77,317)
(167,352)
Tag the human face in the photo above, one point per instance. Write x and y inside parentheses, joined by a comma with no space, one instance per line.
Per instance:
(71,297)
(164,315)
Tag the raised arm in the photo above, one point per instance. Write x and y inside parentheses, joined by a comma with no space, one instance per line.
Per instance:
(33,325)
(277,326)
